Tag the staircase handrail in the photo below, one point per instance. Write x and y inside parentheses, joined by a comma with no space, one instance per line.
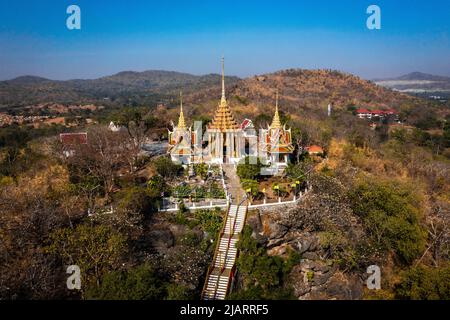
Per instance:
(230,236)
(216,251)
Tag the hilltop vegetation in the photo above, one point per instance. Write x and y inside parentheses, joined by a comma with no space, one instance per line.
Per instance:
(135,88)
(305,95)
(381,197)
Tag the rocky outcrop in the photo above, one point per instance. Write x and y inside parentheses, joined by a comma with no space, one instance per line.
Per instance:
(317,275)
(160,240)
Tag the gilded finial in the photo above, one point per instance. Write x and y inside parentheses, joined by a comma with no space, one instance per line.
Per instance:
(181,122)
(276,101)
(276,123)
(223,79)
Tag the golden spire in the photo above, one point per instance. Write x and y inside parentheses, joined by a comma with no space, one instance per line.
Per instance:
(223,79)
(181,123)
(223,119)
(276,123)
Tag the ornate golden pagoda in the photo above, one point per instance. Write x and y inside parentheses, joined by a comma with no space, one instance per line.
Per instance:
(223,119)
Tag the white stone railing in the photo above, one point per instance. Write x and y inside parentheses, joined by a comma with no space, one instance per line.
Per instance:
(172,205)
(280,202)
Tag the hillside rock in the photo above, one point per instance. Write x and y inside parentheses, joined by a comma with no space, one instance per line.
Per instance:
(301,229)
(160,240)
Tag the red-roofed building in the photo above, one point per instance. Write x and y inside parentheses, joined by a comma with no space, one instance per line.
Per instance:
(363,113)
(71,141)
(246,123)
(391,112)
(314,149)
(378,113)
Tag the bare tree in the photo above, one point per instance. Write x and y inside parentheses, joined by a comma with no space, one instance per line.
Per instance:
(102,158)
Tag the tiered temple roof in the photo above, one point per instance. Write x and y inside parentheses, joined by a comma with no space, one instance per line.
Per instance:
(279,138)
(181,138)
(223,119)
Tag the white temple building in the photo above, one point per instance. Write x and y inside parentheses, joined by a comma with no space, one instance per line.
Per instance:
(226,141)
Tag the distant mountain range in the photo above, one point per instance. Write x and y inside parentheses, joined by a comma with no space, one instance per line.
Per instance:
(301,91)
(140,87)
(303,94)
(419,83)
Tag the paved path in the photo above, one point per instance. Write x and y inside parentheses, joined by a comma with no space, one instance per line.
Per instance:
(233,183)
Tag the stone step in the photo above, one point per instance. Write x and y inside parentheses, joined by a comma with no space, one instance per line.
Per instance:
(227,239)
(221,281)
(213,284)
(221,263)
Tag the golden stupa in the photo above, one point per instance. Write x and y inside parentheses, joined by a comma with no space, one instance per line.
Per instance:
(223,118)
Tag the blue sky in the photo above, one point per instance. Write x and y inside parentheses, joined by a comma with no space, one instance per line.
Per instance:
(254,36)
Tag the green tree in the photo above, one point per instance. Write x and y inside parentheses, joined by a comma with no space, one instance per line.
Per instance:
(134,199)
(95,249)
(425,283)
(133,119)
(210,220)
(251,187)
(177,291)
(249,168)
(166,168)
(391,215)
(295,172)
(262,120)
(201,170)
(263,275)
(139,283)
(156,186)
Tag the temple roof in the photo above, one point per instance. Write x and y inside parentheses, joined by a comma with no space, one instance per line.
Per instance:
(223,118)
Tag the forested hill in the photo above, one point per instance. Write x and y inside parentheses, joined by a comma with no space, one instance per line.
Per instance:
(138,87)
(303,93)
(307,93)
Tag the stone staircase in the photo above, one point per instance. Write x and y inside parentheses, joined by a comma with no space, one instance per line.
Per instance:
(221,272)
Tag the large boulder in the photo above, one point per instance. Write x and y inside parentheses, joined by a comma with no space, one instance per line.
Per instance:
(160,240)
(344,287)
(300,284)
(273,229)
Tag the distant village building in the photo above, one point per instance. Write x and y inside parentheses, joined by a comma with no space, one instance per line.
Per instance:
(226,141)
(115,128)
(71,142)
(380,114)
(363,114)
(314,150)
